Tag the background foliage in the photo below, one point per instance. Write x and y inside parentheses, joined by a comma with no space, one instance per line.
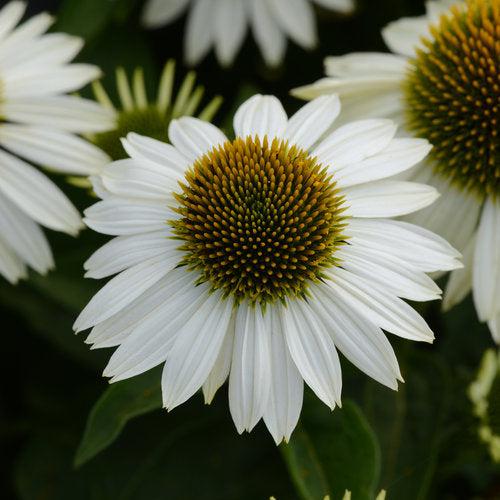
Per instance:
(418,443)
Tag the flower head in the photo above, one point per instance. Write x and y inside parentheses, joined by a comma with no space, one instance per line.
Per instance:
(257,258)
(223,24)
(38,122)
(442,84)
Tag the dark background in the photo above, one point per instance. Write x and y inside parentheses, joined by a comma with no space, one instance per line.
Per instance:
(50,379)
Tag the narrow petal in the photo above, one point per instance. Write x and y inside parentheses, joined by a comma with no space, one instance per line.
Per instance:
(230,29)
(10,14)
(250,377)
(195,350)
(313,351)
(387,198)
(12,268)
(156,13)
(287,387)
(308,124)
(296,19)
(261,115)
(358,64)
(199,31)
(344,6)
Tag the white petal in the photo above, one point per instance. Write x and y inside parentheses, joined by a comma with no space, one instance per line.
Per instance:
(165,155)
(311,121)
(359,340)
(296,19)
(403,36)
(37,196)
(220,371)
(250,377)
(369,64)
(354,142)
(261,115)
(344,6)
(10,14)
(199,31)
(122,290)
(230,29)
(287,387)
(387,198)
(25,237)
(397,157)
(381,308)
(494,326)
(151,340)
(486,262)
(121,217)
(194,137)
(267,33)
(195,350)
(389,273)
(57,150)
(69,113)
(414,245)
(313,351)
(12,268)
(127,251)
(460,282)
(156,13)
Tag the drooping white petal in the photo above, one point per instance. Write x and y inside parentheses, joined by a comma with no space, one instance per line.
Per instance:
(287,387)
(403,36)
(118,217)
(460,281)
(344,6)
(359,340)
(313,351)
(195,350)
(222,366)
(387,198)
(416,246)
(52,148)
(37,196)
(296,19)
(494,326)
(311,121)
(10,14)
(69,113)
(261,115)
(381,308)
(268,35)
(250,377)
(127,251)
(389,273)
(12,268)
(156,13)
(25,237)
(397,157)
(123,289)
(230,27)
(486,262)
(152,339)
(194,137)
(199,31)
(140,147)
(354,142)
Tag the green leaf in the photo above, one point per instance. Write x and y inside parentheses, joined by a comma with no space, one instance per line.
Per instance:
(117,405)
(333,452)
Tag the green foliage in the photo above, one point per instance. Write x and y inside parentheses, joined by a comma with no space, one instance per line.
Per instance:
(333,452)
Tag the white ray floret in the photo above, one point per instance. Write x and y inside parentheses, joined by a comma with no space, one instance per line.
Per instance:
(159,309)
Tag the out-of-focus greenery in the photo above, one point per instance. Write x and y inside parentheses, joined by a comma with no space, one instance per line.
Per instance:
(68,435)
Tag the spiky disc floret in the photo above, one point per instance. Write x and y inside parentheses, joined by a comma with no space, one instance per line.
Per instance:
(260,219)
(453,95)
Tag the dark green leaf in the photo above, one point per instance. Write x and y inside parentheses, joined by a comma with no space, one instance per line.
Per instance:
(333,452)
(117,405)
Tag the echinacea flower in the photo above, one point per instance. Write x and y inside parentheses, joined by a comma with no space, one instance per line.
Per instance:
(223,24)
(443,84)
(38,122)
(257,258)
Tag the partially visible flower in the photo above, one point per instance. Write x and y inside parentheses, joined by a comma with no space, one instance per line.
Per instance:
(483,393)
(223,24)
(38,122)
(257,258)
(442,83)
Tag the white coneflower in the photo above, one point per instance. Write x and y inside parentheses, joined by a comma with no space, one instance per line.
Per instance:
(223,24)
(444,87)
(39,124)
(257,258)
